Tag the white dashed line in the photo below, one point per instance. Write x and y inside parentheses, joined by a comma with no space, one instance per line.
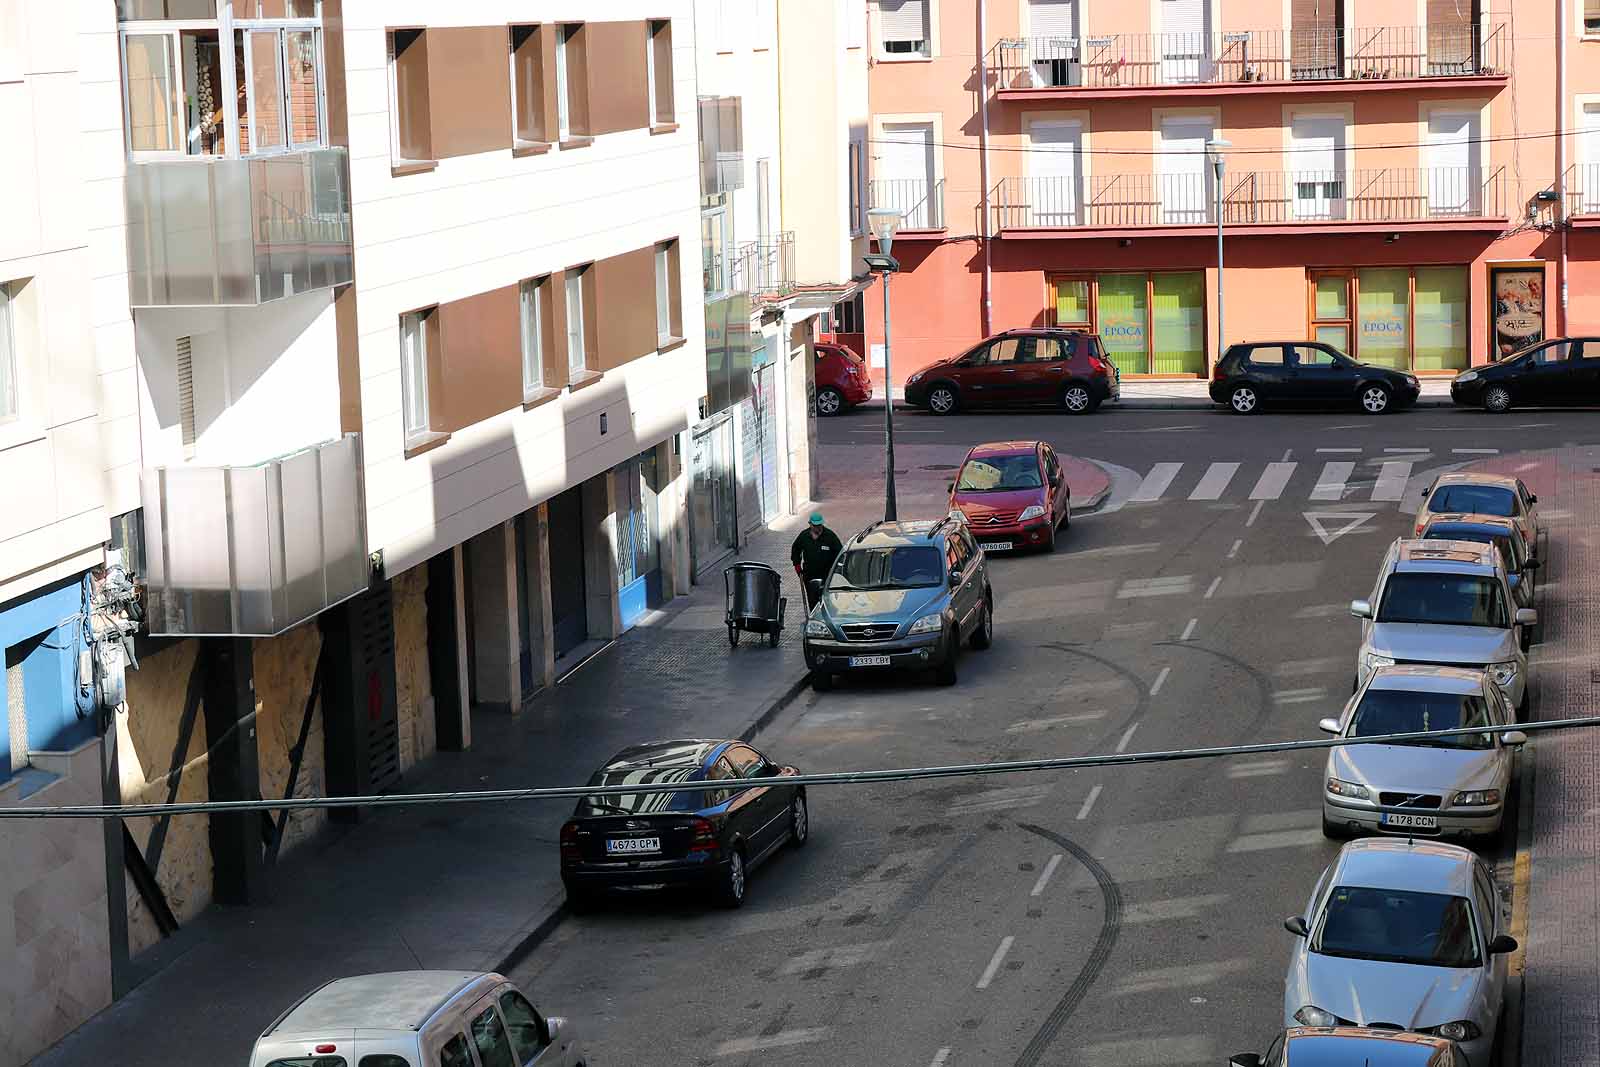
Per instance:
(939,1058)
(1044,875)
(1028,726)
(781,1039)
(1286,454)
(1258,768)
(1476,451)
(1169,586)
(1418,448)
(1088,806)
(1255,511)
(1330,451)
(1161,680)
(1298,696)
(1122,746)
(995,961)
(1211,589)
(1188,631)
(1234,551)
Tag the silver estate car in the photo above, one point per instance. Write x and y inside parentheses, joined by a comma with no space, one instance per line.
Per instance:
(1449,786)
(1403,935)
(1447,603)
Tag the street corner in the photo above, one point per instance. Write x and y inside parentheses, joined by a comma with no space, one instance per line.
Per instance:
(1089,481)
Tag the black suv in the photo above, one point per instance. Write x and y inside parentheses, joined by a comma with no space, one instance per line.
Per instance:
(1064,368)
(901,594)
(1306,373)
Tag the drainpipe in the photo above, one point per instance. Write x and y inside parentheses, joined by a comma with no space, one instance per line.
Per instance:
(983,161)
(1561,163)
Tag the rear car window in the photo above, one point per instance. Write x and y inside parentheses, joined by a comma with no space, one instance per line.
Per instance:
(1474,500)
(310,1061)
(1272,355)
(643,803)
(385,1059)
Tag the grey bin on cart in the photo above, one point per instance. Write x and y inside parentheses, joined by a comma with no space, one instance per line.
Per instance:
(754,601)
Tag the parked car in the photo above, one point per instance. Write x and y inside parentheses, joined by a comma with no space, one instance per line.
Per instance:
(842,378)
(417,1019)
(1262,373)
(705,836)
(1504,534)
(901,594)
(1403,935)
(1013,495)
(1338,1046)
(1447,786)
(1064,368)
(1471,493)
(1445,603)
(1565,370)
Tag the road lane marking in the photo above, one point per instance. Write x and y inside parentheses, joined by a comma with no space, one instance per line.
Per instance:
(1169,586)
(1258,768)
(1323,523)
(1330,484)
(1322,611)
(995,961)
(781,1039)
(1028,726)
(1167,910)
(1273,479)
(1320,451)
(1211,589)
(1298,696)
(939,1057)
(1088,806)
(1392,479)
(1183,976)
(1188,631)
(1476,451)
(999,799)
(1410,448)
(1156,482)
(1255,511)
(824,959)
(1122,746)
(1114,550)
(1161,680)
(1216,479)
(1276,839)
(1044,875)
(1296,668)
(1286,454)
(1234,551)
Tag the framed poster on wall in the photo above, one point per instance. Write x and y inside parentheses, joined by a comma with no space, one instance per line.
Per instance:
(1518,309)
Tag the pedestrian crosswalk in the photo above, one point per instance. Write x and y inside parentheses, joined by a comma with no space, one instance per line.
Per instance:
(1383,479)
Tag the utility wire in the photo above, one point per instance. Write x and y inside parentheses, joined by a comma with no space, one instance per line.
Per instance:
(897,774)
(1233,152)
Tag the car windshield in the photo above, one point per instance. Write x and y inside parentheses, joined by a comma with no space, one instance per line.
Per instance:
(1443,599)
(1399,711)
(1397,926)
(644,803)
(994,474)
(901,567)
(1474,499)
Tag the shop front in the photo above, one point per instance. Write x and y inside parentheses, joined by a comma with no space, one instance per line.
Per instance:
(1405,318)
(637,486)
(1148,322)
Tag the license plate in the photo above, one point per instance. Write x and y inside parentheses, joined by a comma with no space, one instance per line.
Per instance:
(619,846)
(869,661)
(995,546)
(1413,822)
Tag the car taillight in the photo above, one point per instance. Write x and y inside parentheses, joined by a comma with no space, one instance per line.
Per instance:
(705,836)
(569,842)
(1097,364)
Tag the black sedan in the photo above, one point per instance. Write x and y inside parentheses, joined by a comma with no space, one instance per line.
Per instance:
(707,836)
(1563,371)
(1306,373)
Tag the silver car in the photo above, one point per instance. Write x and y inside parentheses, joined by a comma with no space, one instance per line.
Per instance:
(1446,603)
(1449,786)
(1403,935)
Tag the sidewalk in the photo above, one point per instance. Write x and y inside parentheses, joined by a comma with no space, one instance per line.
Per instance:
(1144,393)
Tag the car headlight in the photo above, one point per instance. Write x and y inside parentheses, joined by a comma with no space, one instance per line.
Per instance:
(1503,673)
(1372,661)
(1460,1030)
(1469,376)
(1032,511)
(1411,380)
(915,378)
(1311,1015)
(927,624)
(817,628)
(1477,798)
(1341,788)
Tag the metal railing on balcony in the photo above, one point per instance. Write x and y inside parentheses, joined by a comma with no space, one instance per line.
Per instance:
(251,551)
(919,201)
(1136,60)
(1390,194)
(765,268)
(223,231)
(1583,189)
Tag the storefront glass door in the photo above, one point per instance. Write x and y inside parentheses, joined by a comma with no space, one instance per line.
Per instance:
(638,537)
(1178,323)
(1124,319)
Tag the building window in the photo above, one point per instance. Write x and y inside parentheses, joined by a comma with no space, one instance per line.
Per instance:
(669,284)
(849,315)
(577,353)
(1148,323)
(1331,321)
(1591,17)
(903,27)
(716,248)
(173,92)
(572,95)
(9,402)
(408,96)
(658,60)
(534,298)
(527,84)
(1399,317)
(415,327)
(857,181)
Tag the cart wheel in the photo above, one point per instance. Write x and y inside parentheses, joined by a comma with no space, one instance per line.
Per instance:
(772,638)
(733,636)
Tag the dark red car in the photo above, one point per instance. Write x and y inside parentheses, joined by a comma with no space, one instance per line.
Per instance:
(1013,495)
(842,380)
(1066,369)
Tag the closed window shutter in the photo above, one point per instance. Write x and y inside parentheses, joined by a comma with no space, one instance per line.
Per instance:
(1051,18)
(1315,14)
(1183,16)
(904,20)
(186,396)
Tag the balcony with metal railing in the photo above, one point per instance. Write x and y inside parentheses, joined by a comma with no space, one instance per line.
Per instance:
(919,201)
(765,269)
(1250,61)
(1296,201)
(1582,187)
(225,231)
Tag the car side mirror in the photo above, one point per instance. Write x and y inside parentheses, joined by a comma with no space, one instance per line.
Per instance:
(1329,726)
(1426,491)
(1515,579)
(1245,1059)
(1527,617)
(1502,944)
(1533,498)
(955,579)
(950,487)
(1361,609)
(1532,565)
(1296,925)
(1513,738)
(552,1028)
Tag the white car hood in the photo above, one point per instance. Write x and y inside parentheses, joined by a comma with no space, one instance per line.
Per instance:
(1430,643)
(1418,769)
(1368,992)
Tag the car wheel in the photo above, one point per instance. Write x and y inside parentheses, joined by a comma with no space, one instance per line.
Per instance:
(1076,399)
(1496,399)
(799,821)
(1243,400)
(821,680)
(1375,398)
(735,881)
(983,636)
(945,673)
(1334,831)
(942,399)
(829,401)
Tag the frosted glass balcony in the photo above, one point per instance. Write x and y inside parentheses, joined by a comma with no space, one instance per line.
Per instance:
(252,551)
(238,232)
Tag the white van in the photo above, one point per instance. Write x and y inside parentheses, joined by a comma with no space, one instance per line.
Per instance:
(417,1019)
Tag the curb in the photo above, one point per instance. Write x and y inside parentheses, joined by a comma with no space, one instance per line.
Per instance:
(1517,980)
(1155,403)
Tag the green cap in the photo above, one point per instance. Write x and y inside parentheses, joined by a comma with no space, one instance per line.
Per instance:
(816,518)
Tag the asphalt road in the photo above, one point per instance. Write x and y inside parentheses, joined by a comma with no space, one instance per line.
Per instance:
(1128,916)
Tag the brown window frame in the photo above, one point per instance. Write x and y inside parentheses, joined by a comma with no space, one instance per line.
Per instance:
(658,43)
(529,117)
(410,119)
(1348,323)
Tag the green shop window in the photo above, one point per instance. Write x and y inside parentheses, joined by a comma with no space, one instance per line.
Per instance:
(1124,321)
(1148,323)
(1406,318)
(1383,316)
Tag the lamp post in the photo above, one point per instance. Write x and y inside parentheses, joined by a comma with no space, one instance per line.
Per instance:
(884,222)
(1216,150)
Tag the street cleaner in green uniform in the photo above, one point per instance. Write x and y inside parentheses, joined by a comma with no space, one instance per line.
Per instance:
(813,554)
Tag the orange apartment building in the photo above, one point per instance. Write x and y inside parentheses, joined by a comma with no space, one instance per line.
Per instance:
(1417,181)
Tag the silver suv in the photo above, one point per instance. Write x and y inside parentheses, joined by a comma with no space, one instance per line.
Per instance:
(1447,603)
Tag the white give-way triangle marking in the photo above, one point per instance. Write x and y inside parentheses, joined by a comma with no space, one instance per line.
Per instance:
(1332,525)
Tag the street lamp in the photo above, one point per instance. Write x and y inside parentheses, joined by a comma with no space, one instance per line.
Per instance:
(1216,150)
(884,222)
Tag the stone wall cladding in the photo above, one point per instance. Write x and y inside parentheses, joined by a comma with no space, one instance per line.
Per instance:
(284,668)
(413,681)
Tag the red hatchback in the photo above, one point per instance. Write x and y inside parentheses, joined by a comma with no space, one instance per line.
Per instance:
(842,380)
(1013,495)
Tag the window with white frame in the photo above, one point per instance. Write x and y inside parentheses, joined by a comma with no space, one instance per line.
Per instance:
(857,179)
(577,355)
(716,247)
(414,373)
(9,402)
(669,316)
(534,292)
(904,28)
(563,82)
